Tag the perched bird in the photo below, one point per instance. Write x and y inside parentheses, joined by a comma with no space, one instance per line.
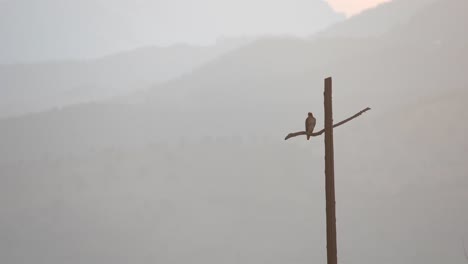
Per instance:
(310,125)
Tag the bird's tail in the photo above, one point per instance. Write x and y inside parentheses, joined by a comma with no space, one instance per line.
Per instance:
(308,137)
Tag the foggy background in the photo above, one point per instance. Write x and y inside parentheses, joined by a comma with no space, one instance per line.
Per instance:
(153,131)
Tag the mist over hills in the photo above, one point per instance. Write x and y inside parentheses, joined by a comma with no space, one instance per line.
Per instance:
(196,169)
(27,88)
(50,30)
(75,35)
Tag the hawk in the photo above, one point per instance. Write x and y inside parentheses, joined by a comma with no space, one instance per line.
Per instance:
(310,125)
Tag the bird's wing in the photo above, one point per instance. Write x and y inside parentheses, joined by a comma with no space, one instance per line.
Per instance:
(313,123)
(310,124)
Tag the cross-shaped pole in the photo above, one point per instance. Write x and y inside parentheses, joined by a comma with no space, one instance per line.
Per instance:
(329,168)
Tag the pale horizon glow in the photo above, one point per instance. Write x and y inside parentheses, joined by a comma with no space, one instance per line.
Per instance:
(353,7)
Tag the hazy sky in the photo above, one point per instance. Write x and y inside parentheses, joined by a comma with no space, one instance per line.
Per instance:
(351,7)
(36,30)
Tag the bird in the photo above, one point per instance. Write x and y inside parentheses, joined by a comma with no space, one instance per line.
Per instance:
(310,125)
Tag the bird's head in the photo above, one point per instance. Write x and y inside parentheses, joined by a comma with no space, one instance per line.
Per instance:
(310,114)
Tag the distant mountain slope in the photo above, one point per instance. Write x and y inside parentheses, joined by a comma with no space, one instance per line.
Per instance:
(38,87)
(440,23)
(45,30)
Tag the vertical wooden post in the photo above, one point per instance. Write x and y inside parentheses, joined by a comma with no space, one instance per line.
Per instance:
(330,175)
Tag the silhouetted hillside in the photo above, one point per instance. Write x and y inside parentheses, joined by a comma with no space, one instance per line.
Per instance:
(37,87)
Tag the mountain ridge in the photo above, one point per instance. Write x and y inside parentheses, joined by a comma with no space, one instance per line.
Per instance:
(32,88)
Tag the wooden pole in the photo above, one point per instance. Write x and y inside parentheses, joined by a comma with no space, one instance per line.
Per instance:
(330,175)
